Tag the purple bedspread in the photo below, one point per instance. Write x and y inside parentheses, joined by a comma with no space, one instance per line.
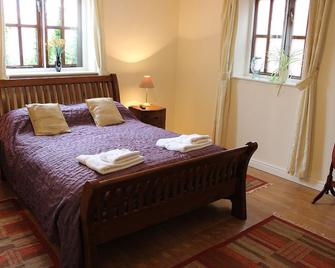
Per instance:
(44,173)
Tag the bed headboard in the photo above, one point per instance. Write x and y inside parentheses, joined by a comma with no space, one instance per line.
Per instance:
(16,93)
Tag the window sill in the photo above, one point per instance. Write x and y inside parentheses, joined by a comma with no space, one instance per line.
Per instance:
(20,73)
(265,79)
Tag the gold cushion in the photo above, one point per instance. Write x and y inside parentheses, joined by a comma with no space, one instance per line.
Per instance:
(47,119)
(104,111)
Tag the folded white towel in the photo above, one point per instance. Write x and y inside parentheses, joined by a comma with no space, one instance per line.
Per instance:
(114,163)
(191,139)
(185,143)
(184,148)
(118,156)
(196,138)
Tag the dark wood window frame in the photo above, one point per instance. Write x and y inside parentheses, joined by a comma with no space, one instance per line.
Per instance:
(288,36)
(62,29)
(19,27)
(41,27)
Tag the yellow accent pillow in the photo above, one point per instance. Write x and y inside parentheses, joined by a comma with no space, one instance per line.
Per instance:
(104,111)
(47,119)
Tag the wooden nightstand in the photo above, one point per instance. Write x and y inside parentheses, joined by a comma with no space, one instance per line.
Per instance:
(153,115)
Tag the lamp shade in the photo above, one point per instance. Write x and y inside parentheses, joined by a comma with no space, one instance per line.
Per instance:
(147,82)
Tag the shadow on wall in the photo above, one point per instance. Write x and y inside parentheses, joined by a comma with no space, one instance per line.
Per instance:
(140,37)
(197,84)
(160,65)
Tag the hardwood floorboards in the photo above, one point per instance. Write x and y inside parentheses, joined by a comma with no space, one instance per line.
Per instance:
(171,242)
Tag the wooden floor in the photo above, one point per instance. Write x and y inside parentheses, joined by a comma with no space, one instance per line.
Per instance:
(171,242)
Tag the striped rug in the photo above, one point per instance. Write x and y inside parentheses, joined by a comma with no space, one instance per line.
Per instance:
(271,243)
(254,183)
(21,244)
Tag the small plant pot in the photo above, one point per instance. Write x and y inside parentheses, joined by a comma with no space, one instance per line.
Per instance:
(282,76)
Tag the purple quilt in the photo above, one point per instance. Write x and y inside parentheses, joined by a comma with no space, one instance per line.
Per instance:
(46,176)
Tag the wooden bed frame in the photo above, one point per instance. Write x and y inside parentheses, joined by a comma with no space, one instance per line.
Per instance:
(121,205)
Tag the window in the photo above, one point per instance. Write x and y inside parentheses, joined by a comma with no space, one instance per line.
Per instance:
(280,24)
(31,24)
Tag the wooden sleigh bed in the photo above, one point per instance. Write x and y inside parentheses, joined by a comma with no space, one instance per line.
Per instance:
(114,207)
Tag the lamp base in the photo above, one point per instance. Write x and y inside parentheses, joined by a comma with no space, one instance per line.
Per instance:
(145,105)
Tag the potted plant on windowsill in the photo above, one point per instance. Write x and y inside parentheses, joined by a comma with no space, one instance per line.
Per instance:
(283,60)
(58,44)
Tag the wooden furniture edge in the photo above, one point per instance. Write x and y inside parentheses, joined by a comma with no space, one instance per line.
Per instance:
(100,199)
(329,187)
(16,93)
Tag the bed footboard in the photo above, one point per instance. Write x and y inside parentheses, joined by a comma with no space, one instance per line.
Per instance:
(119,206)
(2,162)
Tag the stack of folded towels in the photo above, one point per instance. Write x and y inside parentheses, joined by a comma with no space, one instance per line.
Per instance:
(185,143)
(111,161)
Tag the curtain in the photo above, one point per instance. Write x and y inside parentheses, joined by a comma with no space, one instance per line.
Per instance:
(2,44)
(316,34)
(95,35)
(228,37)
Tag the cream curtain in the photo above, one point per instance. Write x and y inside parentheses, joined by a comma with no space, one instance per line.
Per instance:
(95,32)
(2,44)
(317,28)
(228,37)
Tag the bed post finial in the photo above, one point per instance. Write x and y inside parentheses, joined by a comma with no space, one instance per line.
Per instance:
(252,146)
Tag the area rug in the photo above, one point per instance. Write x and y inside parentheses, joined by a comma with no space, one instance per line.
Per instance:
(21,244)
(254,184)
(271,243)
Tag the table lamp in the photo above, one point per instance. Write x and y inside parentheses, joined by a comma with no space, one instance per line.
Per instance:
(146,83)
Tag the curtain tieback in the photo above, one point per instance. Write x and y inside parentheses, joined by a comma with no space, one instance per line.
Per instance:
(307,81)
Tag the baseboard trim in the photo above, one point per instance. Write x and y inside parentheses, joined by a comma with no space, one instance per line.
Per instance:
(280,172)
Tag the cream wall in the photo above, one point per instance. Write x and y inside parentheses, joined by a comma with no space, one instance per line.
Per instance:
(140,38)
(197,65)
(324,136)
(257,113)
(177,42)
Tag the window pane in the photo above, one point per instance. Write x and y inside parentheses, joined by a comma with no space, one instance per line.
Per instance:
(52,34)
(278,16)
(29,46)
(28,12)
(260,49)
(10,13)
(274,50)
(263,16)
(71,47)
(71,13)
(53,12)
(12,46)
(297,50)
(300,17)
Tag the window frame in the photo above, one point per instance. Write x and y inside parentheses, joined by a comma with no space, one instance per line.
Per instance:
(42,28)
(62,29)
(19,27)
(287,35)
